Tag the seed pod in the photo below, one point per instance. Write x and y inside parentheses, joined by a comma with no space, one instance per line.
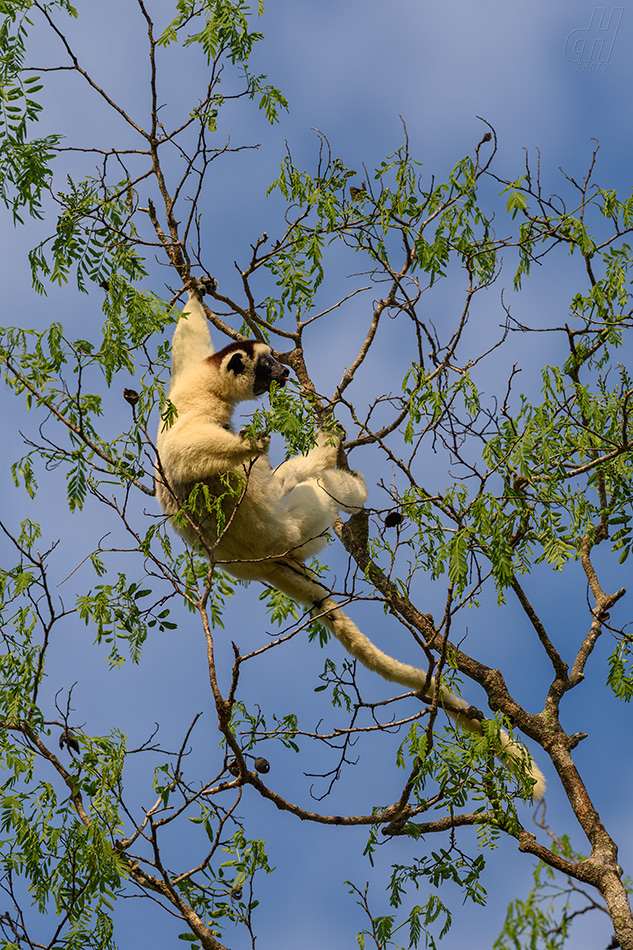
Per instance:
(262,765)
(393,519)
(67,738)
(131,396)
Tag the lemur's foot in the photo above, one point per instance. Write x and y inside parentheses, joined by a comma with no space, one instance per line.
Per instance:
(203,285)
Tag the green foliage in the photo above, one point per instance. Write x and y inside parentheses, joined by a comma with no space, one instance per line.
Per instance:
(460,763)
(538,497)
(118,614)
(215,504)
(217,898)
(225,33)
(35,364)
(443,223)
(280,608)
(338,681)
(95,237)
(225,28)
(545,917)
(24,161)
(291,415)
(421,922)
(516,202)
(70,866)
(620,677)
(248,728)
(437,868)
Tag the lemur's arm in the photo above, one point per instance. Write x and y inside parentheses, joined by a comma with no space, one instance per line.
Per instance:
(191,341)
(194,451)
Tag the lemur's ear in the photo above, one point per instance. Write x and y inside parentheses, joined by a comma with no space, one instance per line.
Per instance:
(236,364)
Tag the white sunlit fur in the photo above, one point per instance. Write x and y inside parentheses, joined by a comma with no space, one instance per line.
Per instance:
(284,516)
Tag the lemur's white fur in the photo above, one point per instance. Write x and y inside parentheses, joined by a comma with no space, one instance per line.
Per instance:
(282,517)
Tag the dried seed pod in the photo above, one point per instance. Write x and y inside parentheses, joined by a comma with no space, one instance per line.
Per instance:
(393,519)
(262,765)
(67,738)
(233,767)
(131,396)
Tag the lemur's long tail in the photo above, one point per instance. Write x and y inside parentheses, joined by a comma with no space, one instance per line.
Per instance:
(295,581)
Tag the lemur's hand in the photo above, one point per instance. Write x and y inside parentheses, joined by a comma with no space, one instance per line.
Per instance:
(259,444)
(333,434)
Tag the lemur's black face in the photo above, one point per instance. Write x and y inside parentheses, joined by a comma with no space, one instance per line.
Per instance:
(267,371)
(251,365)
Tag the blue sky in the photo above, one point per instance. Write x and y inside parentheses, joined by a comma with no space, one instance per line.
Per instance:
(351,69)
